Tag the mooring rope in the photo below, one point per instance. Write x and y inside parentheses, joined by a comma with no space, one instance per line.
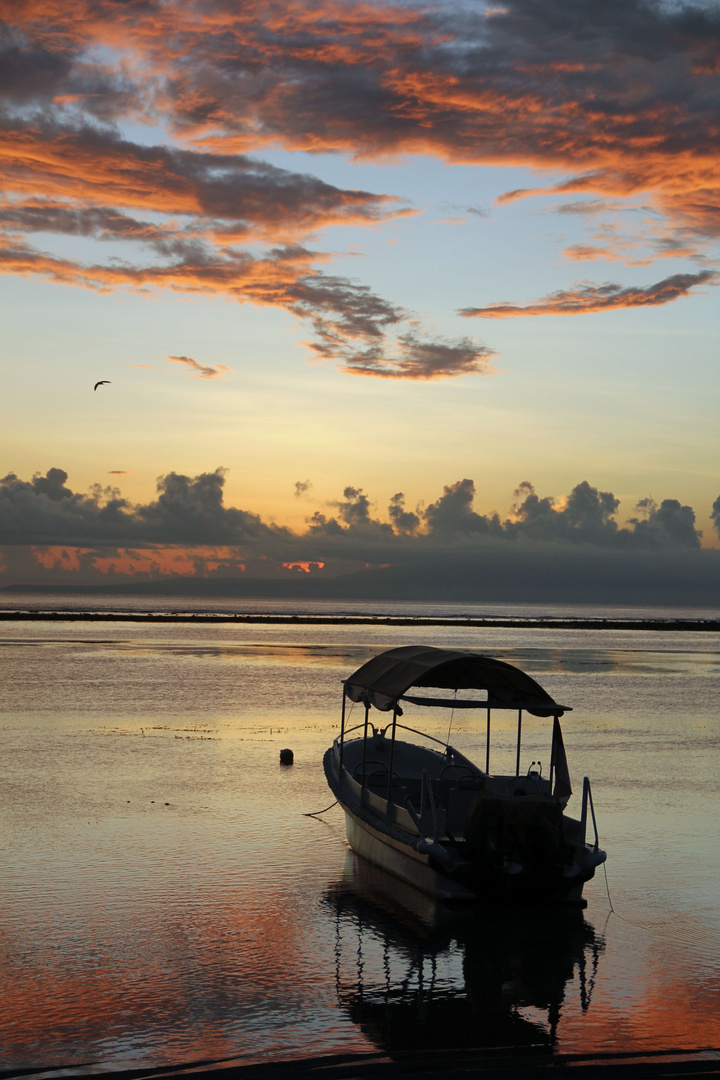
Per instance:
(316,813)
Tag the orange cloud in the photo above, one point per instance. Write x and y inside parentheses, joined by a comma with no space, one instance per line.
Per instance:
(203,371)
(139,563)
(500,86)
(350,322)
(306,567)
(91,168)
(586,298)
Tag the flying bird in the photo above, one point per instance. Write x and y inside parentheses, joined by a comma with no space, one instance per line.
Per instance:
(101,383)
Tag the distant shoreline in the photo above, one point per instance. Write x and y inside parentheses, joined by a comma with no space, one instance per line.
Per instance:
(540,623)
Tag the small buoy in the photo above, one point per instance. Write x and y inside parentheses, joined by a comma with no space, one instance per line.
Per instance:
(286,757)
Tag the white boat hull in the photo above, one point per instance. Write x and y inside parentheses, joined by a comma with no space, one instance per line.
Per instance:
(402,861)
(435,868)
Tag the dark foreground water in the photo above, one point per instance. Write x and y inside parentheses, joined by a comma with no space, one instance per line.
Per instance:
(164,898)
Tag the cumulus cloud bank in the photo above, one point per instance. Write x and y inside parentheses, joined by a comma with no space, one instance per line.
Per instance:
(187,510)
(186,538)
(620,99)
(191,510)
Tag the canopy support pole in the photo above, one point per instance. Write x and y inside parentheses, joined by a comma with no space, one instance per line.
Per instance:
(364,757)
(517,760)
(487,747)
(342,727)
(553,753)
(392,753)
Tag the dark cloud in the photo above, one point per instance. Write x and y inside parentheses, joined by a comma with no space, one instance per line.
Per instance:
(403,521)
(453,514)
(187,511)
(668,524)
(557,81)
(715,515)
(586,298)
(364,332)
(589,510)
(354,510)
(416,358)
(585,207)
(587,515)
(353,518)
(45,510)
(191,510)
(302,487)
(98,222)
(41,77)
(52,485)
(543,573)
(32,74)
(536,515)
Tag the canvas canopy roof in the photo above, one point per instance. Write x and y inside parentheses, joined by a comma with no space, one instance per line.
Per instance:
(385,679)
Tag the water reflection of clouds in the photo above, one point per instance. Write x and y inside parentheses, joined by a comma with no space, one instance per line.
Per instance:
(571,660)
(614,661)
(410,979)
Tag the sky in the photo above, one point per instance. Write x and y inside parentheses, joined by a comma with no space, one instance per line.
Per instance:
(363,285)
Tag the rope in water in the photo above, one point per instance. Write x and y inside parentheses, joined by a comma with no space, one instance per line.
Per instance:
(650,927)
(607,888)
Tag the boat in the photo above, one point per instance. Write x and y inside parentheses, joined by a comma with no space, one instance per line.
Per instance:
(430,816)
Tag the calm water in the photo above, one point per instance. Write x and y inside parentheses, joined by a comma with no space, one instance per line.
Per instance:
(165,899)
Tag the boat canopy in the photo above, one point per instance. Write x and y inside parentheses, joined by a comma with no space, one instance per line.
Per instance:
(385,680)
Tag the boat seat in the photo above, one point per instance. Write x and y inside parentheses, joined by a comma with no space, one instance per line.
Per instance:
(413,786)
(460,801)
(471,783)
(376,774)
(379,779)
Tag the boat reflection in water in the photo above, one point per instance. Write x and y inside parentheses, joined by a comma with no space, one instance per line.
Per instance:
(415,975)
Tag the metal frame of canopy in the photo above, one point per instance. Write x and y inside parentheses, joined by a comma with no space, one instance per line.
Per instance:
(384,680)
